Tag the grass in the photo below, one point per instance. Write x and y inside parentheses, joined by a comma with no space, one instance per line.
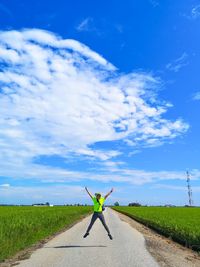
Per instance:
(20,227)
(179,223)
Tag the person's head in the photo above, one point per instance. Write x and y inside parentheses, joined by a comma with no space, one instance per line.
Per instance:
(98,195)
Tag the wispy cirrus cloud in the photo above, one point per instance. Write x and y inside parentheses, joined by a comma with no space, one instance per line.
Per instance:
(76,194)
(86,25)
(154,3)
(140,177)
(195,12)
(5,10)
(4,185)
(53,194)
(58,97)
(99,27)
(107,171)
(176,187)
(196,96)
(178,63)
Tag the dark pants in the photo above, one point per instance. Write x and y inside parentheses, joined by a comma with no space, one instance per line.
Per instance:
(101,218)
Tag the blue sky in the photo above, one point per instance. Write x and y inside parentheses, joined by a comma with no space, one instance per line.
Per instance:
(103,94)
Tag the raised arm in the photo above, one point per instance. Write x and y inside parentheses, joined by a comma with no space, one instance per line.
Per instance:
(88,192)
(108,193)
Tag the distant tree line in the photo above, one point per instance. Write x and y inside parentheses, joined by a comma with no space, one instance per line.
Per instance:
(41,204)
(48,204)
(134,204)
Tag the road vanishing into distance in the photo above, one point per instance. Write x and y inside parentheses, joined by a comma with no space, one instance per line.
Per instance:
(70,249)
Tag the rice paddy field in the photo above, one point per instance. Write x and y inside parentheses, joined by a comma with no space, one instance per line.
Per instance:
(20,227)
(181,224)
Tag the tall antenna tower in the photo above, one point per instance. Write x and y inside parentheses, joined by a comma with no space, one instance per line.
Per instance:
(189,189)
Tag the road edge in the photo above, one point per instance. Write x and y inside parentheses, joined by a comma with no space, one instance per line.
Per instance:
(165,251)
(27,252)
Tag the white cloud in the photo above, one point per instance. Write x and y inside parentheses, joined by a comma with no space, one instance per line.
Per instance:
(62,193)
(196,96)
(86,25)
(154,3)
(99,27)
(195,13)
(53,194)
(47,174)
(140,177)
(176,187)
(178,63)
(4,185)
(58,97)
(107,171)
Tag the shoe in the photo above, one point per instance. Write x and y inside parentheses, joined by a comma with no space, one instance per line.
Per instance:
(85,235)
(110,236)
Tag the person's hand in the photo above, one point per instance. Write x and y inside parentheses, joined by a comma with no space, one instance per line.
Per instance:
(85,188)
(111,190)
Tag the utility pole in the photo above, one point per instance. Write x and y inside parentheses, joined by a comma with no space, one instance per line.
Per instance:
(189,189)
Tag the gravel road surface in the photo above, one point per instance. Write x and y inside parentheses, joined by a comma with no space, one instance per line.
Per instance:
(70,249)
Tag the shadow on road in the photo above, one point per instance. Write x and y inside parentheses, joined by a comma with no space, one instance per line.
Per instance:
(77,246)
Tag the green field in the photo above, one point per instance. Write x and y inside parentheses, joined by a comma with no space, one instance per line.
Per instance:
(21,227)
(179,223)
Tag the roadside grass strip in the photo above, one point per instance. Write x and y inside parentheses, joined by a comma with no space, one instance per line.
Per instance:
(21,227)
(181,224)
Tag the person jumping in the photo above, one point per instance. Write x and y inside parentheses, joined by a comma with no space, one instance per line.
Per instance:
(98,201)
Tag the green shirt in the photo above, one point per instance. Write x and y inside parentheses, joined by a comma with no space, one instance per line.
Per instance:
(97,206)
